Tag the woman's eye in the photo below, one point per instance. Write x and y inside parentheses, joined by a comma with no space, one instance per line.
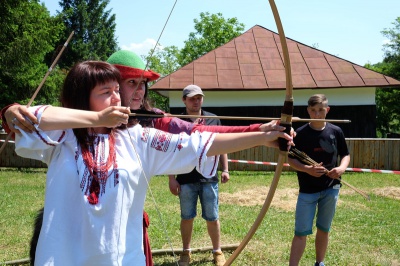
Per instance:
(135,82)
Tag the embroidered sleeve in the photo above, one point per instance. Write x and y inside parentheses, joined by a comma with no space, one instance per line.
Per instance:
(207,166)
(39,144)
(166,153)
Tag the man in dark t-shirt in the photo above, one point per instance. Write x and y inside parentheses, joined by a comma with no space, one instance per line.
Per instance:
(193,186)
(319,184)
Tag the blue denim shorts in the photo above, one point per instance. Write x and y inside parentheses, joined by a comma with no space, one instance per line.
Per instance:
(208,195)
(323,203)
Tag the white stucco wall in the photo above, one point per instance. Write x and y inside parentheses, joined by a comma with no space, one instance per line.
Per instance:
(346,96)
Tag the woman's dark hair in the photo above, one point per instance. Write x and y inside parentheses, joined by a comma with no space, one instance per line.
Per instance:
(146,107)
(80,81)
(35,236)
(146,103)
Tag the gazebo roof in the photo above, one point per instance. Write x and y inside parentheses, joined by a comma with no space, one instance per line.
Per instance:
(254,61)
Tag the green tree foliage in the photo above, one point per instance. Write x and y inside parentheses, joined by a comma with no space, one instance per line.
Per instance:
(392,48)
(163,61)
(94,28)
(27,34)
(212,31)
(388,99)
(388,111)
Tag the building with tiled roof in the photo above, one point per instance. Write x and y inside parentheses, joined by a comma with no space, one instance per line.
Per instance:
(246,77)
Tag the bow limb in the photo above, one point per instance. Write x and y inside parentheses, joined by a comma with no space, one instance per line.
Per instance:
(40,85)
(286,120)
(50,69)
(263,212)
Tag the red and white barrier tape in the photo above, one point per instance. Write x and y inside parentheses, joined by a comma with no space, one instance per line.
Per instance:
(347,169)
(10,141)
(286,164)
(373,171)
(254,162)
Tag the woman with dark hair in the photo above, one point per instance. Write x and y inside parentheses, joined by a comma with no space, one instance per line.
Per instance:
(98,176)
(134,93)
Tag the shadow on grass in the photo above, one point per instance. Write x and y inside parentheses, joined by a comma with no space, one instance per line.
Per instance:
(192,263)
(23,170)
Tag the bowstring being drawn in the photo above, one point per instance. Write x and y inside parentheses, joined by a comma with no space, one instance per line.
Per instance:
(134,147)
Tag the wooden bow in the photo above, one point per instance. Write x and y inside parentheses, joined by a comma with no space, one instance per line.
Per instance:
(286,120)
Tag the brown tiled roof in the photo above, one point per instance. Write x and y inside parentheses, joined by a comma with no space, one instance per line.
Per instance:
(253,61)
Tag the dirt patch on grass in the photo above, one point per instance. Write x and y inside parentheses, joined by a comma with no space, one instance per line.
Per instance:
(389,192)
(284,198)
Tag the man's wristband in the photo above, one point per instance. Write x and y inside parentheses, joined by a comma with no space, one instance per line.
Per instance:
(225,171)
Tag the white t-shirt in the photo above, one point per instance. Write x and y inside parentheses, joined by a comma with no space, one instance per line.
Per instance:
(75,232)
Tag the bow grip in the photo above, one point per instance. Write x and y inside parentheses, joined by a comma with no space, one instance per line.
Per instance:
(286,121)
(283,143)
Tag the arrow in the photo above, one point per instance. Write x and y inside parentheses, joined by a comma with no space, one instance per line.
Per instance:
(294,119)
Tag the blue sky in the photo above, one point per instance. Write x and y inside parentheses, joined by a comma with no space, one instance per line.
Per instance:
(350,29)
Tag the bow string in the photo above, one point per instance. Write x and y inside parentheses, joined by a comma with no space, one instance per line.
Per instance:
(133,143)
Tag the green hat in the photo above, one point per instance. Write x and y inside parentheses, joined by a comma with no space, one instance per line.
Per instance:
(130,65)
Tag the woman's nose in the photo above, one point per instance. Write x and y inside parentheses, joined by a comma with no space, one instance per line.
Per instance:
(140,86)
(116,97)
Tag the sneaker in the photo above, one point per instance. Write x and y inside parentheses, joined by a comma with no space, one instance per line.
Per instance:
(219,258)
(319,264)
(184,260)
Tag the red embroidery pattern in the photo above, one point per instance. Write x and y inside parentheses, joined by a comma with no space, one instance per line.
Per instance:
(97,167)
(39,134)
(161,141)
(179,145)
(61,137)
(204,148)
(40,108)
(84,178)
(45,141)
(215,165)
(145,134)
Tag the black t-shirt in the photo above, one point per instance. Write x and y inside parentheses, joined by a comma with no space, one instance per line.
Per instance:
(194,176)
(322,146)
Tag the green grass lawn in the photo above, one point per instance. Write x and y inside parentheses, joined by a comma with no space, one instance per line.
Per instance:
(363,232)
